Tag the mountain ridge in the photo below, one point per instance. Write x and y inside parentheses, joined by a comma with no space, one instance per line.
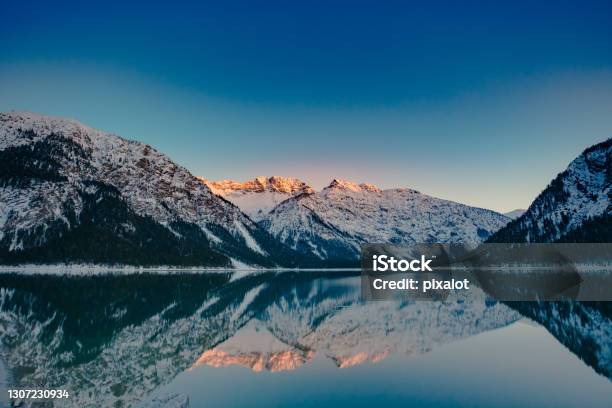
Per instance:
(578,197)
(332,223)
(48,165)
(256,197)
(70,193)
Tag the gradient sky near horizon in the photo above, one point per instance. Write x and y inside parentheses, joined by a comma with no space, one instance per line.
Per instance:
(476,102)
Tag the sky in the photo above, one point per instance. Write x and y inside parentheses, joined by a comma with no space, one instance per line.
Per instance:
(476,102)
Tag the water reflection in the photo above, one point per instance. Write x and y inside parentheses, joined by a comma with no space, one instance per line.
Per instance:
(115,340)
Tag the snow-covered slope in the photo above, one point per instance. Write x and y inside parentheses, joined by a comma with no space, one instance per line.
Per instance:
(64,185)
(258,196)
(579,196)
(333,223)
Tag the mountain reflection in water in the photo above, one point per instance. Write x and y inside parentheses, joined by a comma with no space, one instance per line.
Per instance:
(116,340)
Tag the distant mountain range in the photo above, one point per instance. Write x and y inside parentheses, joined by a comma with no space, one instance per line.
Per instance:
(259,196)
(72,194)
(515,213)
(332,224)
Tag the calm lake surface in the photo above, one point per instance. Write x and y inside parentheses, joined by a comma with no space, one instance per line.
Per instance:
(279,339)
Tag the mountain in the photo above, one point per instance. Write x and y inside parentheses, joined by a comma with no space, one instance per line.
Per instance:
(514,214)
(574,207)
(258,196)
(333,223)
(69,193)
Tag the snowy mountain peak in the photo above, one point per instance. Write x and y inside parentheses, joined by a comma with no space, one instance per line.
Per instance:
(287,185)
(333,223)
(370,187)
(350,186)
(258,196)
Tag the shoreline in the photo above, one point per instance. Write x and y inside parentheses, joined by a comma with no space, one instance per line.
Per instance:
(96,269)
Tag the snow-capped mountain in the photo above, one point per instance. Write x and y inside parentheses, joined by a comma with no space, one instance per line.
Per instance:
(333,223)
(72,193)
(576,205)
(514,214)
(258,196)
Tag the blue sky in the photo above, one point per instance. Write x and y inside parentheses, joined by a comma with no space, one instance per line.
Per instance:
(471,101)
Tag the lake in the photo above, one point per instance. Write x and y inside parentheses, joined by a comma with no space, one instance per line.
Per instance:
(305,339)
